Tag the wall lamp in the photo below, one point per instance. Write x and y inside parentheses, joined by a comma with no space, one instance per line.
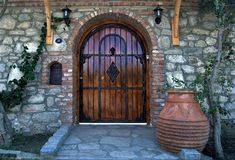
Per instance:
(158,14)
(66,15)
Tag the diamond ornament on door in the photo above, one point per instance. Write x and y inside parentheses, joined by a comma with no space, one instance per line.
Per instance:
(113,72)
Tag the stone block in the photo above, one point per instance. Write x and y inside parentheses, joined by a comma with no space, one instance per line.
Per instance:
(7,41)
(189,154)
(17,32)
(188,69)
(174,51)
(176,58)
(201,31)
(4,50)
(192,51)
(200,43)
(32,108)
(164,42)
(210,50)
(51,147)
(24,25)
(210,41)
(46,117)
(7,22)
(32,47)
(39,98)
(24,17)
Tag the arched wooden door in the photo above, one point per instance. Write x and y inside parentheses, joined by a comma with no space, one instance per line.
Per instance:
(112,76)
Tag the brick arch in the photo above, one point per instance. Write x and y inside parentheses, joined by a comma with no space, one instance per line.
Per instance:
(133,22)
(97,18)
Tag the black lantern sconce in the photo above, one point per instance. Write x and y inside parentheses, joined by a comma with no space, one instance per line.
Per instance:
(158,14)
(66,14)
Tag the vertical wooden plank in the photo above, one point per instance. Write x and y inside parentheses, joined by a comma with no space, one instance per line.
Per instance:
(49,36)
(85,102)
(96,76)
(91,80)
(103,107)
(139,81)
(96,106)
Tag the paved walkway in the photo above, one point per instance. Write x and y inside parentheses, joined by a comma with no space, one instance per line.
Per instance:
(112,142)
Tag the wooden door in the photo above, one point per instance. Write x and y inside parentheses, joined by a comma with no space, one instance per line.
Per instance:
(112,76)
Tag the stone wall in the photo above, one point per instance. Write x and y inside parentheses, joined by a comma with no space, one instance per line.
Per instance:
(46,107)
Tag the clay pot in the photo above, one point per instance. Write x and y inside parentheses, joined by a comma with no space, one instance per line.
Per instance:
(181,123)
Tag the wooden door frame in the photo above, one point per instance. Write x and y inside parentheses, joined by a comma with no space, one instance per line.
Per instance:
(80,43)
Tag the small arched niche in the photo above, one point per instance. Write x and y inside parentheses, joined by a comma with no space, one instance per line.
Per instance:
(55,74)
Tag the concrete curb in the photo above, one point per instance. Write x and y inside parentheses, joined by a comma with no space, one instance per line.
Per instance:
(51,147)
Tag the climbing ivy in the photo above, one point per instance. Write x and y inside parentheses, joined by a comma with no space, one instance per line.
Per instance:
(13,95)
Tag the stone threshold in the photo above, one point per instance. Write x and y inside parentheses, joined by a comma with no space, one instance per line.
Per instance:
(50,148)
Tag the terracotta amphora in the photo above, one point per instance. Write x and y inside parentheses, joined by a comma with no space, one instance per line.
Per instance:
(181,123)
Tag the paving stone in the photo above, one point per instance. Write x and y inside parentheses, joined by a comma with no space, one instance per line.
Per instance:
(118,132)
(133,148)
(67,152)
(147,154)
(69,147)
(108,148)
(95,132)
(123,154)
(88,146)
(190,154)
(72,140)
(143,142)
(116,141)
(89,138)
(165,156)
(138,143)
(134,135)
(91,155)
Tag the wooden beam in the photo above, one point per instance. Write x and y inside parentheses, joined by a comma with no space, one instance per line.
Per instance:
(49,37)
(175,24)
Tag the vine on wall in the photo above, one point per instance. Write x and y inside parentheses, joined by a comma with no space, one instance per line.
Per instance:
(13,96)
